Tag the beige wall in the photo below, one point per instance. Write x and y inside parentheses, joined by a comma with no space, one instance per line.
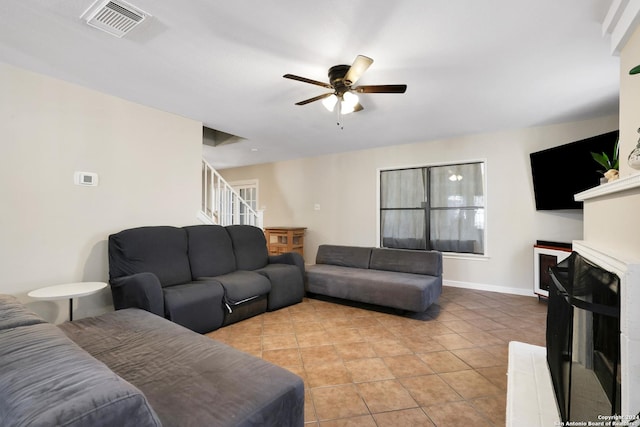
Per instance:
(344,185)
(611,221)
(629,102)
(53,231)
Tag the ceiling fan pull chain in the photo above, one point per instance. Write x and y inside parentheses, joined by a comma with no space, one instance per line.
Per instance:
(339,113)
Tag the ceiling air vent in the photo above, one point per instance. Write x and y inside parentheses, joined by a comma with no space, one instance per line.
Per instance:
(114,17)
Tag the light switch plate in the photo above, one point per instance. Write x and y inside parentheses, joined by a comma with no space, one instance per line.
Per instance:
(86,178)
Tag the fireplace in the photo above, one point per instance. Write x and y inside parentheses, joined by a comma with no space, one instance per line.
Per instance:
(583,340)
(610,241)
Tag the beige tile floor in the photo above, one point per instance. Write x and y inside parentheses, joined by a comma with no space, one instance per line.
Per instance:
(371,367)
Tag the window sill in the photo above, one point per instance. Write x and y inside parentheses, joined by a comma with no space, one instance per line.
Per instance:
(469,257)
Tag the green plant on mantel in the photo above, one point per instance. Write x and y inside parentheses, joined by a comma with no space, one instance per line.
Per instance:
(607,162)
(635,70)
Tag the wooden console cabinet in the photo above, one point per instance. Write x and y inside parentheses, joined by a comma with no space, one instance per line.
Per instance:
(285,239)
(546,254)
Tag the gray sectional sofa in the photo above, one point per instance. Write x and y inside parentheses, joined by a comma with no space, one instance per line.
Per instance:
(403,279)
(202,276)
(133,368)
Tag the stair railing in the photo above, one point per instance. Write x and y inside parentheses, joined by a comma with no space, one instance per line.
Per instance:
(221,204)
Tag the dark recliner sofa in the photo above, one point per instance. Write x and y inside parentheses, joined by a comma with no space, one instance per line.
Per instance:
(202,276)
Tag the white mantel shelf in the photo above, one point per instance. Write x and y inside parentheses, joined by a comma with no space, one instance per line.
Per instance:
(617,186)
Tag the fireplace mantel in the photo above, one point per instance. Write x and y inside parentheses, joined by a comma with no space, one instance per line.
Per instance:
(610,188)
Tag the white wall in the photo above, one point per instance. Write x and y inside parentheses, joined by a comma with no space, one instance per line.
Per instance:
(53,231)
(344,185)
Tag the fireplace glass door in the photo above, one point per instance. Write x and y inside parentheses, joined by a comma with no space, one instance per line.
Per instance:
(583,340)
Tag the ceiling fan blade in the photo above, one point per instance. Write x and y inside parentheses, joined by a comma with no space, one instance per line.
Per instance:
(381,89)
(315,98)
(306,80)
(359,66)
(358,107)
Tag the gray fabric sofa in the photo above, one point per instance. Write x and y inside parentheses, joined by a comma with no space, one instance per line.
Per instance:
(404,279)
(203,276)
(133,368)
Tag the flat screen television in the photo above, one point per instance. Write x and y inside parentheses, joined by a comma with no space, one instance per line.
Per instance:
(560,172)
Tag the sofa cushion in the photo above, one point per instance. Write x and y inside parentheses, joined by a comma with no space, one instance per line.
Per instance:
(14,314)
(188,378)
(249,246)
(161,250)
(345,256)
(47,380)
(197,305)
(407,261)
(405,291)
(210,251)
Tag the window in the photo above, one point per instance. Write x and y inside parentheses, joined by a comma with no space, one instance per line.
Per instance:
(434,207)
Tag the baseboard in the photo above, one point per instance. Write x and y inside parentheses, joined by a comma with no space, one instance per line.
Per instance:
(490,288)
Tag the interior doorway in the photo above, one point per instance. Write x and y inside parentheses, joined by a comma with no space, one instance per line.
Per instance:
(248,191)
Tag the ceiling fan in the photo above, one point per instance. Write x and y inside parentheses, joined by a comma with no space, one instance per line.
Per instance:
(341,81)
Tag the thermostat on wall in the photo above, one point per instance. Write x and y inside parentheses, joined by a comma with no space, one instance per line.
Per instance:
(86,178)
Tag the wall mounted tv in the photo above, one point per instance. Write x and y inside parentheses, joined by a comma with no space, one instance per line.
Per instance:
(561,172)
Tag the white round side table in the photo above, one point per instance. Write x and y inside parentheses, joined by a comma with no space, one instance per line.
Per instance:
(67,291)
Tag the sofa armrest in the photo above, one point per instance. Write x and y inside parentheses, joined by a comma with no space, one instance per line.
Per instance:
(141,290)
(292,258)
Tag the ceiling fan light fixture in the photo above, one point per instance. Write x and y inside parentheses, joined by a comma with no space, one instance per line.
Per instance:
(345,109)
(348,103)
(343,98)
(330,102)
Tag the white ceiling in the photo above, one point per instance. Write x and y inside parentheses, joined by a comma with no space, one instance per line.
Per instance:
(471,66)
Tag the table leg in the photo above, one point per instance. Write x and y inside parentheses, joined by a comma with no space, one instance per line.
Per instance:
(70,309)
